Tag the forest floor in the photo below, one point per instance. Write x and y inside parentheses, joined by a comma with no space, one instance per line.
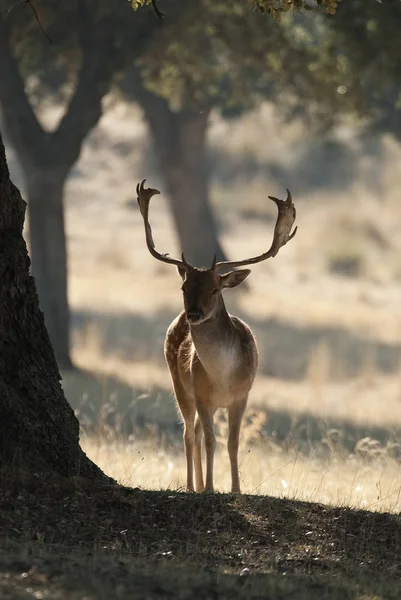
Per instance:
(70,540)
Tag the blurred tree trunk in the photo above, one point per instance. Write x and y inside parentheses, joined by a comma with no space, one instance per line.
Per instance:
(38,428)
(181,151)
(49,255)
(47,157)
(180,144)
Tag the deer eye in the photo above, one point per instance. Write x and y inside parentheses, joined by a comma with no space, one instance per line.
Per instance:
(214,292)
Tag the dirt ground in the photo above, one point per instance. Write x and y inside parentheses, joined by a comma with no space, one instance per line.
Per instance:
(65,539)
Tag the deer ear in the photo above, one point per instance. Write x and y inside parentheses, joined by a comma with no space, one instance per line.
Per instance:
(234,278)
(182,271)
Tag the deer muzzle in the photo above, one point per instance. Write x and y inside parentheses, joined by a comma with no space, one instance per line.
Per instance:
(194,315)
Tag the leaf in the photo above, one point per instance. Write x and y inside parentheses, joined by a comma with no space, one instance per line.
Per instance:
(137,4)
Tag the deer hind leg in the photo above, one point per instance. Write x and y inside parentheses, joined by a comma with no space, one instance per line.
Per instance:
(235,415)
(199,485)
(189,442)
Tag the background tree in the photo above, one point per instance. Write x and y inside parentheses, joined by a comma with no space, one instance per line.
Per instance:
(367,42)
(86,53)
(347,66)
(47,157)
(210,57)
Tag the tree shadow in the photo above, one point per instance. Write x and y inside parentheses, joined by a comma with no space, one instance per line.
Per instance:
(105,405)
(311,538)
(285,348)
(156,543)
(64,576)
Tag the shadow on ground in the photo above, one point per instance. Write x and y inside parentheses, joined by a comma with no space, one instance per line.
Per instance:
(67,538)
(285,348)
(152,581)
(106,404)
(101,401)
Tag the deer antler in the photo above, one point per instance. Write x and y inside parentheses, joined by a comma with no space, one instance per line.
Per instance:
(285,220)
(144,197)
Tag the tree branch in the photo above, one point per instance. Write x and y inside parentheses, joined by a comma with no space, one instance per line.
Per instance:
(99,63)
(33,9)
(102,56)
(20,121)
(157,11)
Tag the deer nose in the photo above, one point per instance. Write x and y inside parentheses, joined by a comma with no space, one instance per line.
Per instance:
(194,315)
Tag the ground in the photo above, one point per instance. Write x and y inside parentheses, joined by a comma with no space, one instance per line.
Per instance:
(72,540)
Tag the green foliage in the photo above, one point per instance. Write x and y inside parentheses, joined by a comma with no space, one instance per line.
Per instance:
(52,68)
(214,54)
(276,7)
(218,55)
(271,7)
(358,60)
(138,3)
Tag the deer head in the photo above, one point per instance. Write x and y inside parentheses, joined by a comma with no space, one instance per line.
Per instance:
(202,287)
(202,290)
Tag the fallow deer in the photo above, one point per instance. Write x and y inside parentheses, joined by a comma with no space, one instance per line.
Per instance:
(212,355)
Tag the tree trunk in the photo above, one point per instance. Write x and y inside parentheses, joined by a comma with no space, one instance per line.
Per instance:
(182,159)
(49,255)
(38,428)
(46,157)
(180,144)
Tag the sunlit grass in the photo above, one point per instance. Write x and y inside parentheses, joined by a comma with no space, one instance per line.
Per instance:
(366,484)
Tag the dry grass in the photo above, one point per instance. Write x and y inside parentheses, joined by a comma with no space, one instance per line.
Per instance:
(368,480)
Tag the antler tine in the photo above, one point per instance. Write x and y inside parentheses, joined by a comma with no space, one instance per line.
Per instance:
(282,233)
(144,197)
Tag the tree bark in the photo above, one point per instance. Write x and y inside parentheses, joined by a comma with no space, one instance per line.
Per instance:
(38,428)
(49,255)
(180,144)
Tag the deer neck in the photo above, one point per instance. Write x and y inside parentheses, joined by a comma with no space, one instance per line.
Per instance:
(215,343)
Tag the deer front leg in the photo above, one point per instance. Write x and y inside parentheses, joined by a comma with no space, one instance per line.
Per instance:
(199,485)
(188,411)
(235,415)
(206,414)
